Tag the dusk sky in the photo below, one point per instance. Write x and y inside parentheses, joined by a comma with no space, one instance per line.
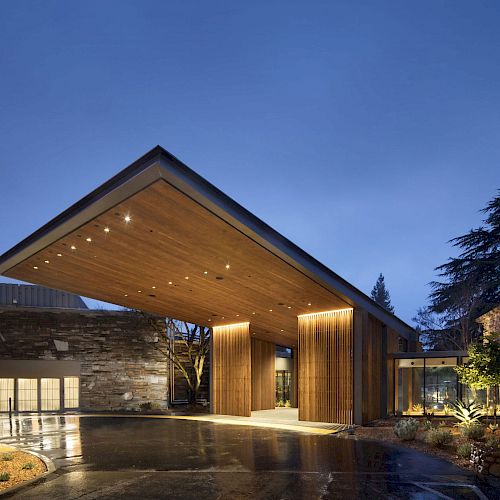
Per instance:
(366,132)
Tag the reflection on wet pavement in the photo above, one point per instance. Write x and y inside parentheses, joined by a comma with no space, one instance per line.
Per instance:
(110,457)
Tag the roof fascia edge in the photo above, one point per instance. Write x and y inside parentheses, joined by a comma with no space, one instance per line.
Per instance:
(209,196)
(78,217)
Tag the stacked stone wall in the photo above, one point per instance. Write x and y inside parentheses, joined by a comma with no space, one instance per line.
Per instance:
(121,366)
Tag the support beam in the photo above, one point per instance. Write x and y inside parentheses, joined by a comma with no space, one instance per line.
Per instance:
(326,367)
(231,392)
(263,375)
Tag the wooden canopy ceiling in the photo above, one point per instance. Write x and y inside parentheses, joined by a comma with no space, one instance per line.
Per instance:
(159,238)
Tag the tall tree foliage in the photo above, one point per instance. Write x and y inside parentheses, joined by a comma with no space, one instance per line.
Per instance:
(381,295)
(469,284)
(191,360)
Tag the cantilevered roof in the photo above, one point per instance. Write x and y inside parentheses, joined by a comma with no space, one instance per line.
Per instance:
(160,238)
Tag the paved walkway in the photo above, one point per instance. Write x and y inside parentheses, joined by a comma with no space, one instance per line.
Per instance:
(108,457)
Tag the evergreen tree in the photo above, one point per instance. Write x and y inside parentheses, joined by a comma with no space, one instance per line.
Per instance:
(471,281)
(380,294)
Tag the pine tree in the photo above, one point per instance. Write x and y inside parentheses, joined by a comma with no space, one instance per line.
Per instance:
(471,281)
(381,295)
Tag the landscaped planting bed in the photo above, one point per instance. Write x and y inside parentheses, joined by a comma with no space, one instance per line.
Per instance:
(383,430)
(17,467)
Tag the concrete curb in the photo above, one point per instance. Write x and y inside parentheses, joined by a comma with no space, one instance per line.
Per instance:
(51,467)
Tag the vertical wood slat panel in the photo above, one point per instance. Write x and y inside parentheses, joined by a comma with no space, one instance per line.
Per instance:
(372,365)
(326,366)
(231,370)
(263,375)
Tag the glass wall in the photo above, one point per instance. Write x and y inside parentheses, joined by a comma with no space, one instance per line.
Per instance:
(409,386)
(6,392)
(425,385)
(27,394)
(441,385)
(71,392)
(50,394)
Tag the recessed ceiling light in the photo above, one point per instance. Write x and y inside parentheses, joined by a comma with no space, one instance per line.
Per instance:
(282,330)
(209,319)
(289,307)
(270,310)
(170,283)
(237,315)
(186,277)
(73,247)
(205,272)
(106,229)
(253,313)
(127,218)
(153,286)
(88,239)
(47,261)
(308,303)
(227,266)
(35,267)
(139,291)
(125,295)
(59,254)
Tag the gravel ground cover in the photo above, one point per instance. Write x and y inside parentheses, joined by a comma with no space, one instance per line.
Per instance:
(17,467)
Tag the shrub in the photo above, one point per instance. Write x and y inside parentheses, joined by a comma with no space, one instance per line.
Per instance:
(467,414)
(28,466)
(493,443)
(280,404)
(4,476)
(288,404)
(463,450)
(473,432)
(493,428)
(7,457)
(438,437)
(418,408)
(406,429)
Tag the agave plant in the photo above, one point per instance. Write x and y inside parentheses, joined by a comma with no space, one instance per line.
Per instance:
(467,414)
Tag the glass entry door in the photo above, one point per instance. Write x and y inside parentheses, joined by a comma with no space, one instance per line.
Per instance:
(283,386)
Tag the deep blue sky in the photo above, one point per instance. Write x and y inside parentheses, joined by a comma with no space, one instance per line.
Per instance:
(366,132)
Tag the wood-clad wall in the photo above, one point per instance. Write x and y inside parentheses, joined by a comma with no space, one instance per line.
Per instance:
(326,367)
(263,375)
(231,370)
(372,369)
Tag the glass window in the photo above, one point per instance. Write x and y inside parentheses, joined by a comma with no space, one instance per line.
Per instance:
(409,386)
(440,385)
(283,386)
(71,392)
(6,392)
(27,394)
(50,394)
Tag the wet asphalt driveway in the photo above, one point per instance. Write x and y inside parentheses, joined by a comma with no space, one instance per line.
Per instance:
(105,457)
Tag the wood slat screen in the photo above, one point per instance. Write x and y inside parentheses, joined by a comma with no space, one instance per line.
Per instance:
(372,366)
(326,366)
(231,370)
(263,375)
